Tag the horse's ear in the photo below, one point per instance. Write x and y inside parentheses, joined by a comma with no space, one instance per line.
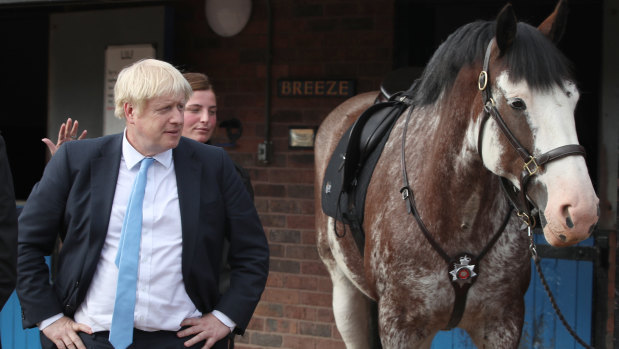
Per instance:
(554,26)
(506,26)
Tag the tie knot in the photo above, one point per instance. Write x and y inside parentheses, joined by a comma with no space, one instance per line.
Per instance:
(145,164)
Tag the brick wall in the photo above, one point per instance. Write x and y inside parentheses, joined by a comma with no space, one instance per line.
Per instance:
(314,39)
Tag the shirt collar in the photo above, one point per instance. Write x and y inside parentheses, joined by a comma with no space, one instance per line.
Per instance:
(133,157)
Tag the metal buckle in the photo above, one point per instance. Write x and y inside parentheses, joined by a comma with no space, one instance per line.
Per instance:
(404,192)
(531,161)
(482,82)
(529,221)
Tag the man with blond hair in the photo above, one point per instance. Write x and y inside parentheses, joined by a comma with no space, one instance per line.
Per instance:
(167,288)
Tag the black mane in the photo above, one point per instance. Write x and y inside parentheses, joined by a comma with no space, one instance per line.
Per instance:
(532,58)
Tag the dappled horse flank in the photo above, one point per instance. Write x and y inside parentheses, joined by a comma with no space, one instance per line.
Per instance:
(457,191)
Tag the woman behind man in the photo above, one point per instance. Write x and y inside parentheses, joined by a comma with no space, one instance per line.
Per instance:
(201,117)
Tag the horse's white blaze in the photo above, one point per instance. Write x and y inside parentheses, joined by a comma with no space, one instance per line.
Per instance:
(571,209)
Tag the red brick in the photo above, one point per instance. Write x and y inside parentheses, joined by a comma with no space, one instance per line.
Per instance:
(266,340)
(277,221)
(325,285)
(315,299)
(277,250)
(285,206)
(315,329)
(302,252)
(301,222)
(280,326)
(269,309)
(281,296)
(275,280)
(256,323)
(301,191)
(284,266)
(300,282)
(325,315)
(300,312)
(330,344)
(295,176)
(308,237)
(285,236)
(314,268)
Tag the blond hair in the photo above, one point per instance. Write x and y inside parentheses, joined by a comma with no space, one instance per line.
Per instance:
(147,79)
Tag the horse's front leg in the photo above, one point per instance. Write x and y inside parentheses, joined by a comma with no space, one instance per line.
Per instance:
(351,309)
(500,328)
(402,325)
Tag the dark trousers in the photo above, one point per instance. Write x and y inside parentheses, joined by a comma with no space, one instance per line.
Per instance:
(141,340)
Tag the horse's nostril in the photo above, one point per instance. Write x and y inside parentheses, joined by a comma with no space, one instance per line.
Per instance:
(569,222)
(562,237)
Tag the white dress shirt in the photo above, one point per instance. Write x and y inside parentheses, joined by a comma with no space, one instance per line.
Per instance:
(161,301)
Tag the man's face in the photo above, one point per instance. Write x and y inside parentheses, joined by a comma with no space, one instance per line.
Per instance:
(157,127)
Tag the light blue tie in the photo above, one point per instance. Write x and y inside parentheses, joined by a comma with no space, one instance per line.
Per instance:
(121,333)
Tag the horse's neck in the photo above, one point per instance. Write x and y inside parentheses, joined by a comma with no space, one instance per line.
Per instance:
(451,179)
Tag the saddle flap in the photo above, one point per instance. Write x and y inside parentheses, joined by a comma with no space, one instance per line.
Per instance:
(364,135)
(352,162)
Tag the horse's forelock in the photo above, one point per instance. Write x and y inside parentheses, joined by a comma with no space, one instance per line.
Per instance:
(536,60)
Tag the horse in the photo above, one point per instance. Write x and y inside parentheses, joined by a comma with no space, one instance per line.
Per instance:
(486,143)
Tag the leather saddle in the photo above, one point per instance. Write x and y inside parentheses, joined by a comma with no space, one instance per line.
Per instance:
(352,163)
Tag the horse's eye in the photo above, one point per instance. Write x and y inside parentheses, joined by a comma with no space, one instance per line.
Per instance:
(517,103)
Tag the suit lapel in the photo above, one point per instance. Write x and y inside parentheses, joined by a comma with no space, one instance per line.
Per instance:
(103,177)
(188,174)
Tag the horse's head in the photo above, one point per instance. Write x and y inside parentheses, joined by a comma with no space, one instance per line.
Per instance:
(529,99)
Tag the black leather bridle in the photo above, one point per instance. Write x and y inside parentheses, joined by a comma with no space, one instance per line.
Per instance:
(532,164)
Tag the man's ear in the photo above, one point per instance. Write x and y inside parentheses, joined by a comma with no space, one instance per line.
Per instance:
(129,113)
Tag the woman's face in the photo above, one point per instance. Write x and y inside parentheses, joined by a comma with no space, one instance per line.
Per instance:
(200,116)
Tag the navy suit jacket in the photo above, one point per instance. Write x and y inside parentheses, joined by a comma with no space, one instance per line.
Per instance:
(74,200)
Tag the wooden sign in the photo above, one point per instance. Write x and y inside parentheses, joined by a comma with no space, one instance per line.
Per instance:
(315,88)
